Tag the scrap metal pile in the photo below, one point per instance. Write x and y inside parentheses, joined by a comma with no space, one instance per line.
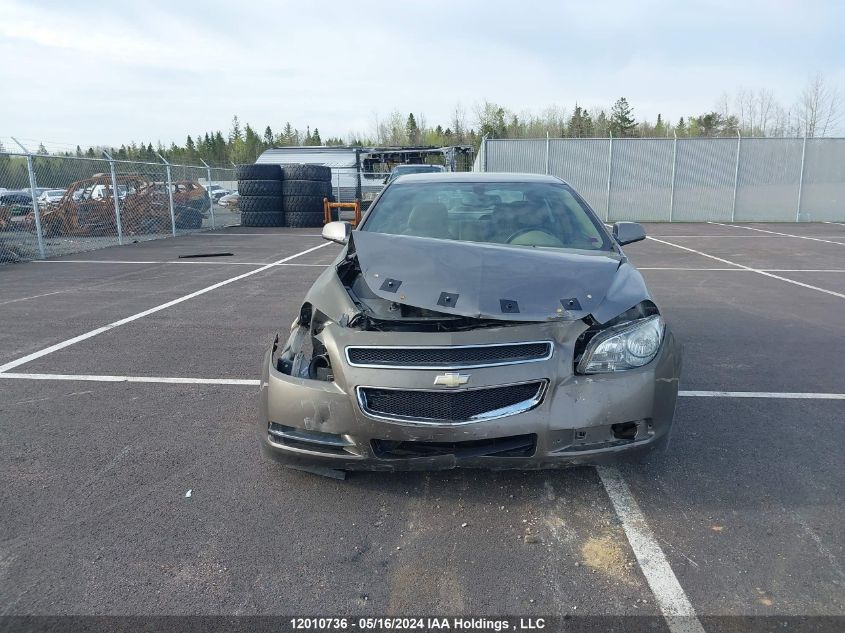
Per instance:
(88,207)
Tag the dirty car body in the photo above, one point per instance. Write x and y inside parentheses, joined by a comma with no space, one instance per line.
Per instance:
(479,320)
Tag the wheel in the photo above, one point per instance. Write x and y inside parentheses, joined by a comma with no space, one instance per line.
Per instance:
(304,204)
(153,225)
(318,188)
(260,187)
(259,172)
(188,218)
(304,219)
(256,218)
(260,204)
(307,172)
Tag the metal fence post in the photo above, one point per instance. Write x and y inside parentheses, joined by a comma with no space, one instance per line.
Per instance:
(736,174)
(32,187)
(609,172)
(115,197)
(169,195)
(801,179)
(674,168)
(485,148)
(357,171)
(547,153)
(208,189)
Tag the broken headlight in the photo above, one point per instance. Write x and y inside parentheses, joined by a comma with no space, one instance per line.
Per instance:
(625,346)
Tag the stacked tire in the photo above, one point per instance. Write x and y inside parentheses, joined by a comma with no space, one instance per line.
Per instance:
(260,188)
(303,191)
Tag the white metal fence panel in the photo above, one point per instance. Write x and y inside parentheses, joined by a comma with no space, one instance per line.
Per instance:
(705,175)
(523,156)
(689,179)
(641,180)
(823,189)
(583,163)
(768,179)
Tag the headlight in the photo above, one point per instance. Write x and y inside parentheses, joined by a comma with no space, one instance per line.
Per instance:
(624,346)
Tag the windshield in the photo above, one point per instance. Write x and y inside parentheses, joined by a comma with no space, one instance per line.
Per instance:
(532,214)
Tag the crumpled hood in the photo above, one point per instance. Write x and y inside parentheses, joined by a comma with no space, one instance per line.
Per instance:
(496,282)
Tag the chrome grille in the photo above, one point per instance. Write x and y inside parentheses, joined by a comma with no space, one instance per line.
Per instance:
(448,357)
(450,407)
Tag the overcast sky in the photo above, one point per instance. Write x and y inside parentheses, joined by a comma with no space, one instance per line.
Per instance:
(93,72)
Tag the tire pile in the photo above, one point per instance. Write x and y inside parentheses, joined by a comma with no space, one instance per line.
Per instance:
(293,196)
(260,189)
(304,188)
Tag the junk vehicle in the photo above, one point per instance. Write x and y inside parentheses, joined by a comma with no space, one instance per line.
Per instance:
(479,319)
(87,207)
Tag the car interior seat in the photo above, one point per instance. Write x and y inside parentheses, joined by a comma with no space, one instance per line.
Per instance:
(429,219)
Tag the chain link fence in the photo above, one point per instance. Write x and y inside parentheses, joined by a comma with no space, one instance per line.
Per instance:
(58,205)
(690,179)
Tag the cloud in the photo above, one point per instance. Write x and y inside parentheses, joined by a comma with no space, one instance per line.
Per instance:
(92,73)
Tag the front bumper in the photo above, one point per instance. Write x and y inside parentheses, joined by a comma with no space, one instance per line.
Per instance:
(314,423)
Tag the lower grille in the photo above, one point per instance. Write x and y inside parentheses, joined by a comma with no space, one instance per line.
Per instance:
(456,407)
(514,446)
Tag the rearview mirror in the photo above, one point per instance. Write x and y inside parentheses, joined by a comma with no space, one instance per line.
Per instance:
(337,232)
(628,232)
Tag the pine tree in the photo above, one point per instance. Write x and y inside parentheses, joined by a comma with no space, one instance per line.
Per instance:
(235,133)
(681,128)
(288,135)
(659,126)
(268,137)
(580,123)
(411,130)
(622,122)
(315,137)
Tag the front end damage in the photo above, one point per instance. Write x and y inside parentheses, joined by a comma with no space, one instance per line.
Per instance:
(367,381)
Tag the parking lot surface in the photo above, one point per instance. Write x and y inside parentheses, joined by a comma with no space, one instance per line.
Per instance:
(134,484)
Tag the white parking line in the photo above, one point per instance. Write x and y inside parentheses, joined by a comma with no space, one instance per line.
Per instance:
(800,237)
(749,268)
(162,261)
(671,599)
(776,395)
(100,330)
(140,261)
(46,294)
(170,380)
(743,270)
(743,237)
(837,223)
(762,394)
(262,234)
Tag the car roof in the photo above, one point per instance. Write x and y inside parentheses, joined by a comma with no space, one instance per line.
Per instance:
(474,176)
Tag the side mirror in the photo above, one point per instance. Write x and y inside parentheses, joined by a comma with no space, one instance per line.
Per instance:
(337,232)
(628,232)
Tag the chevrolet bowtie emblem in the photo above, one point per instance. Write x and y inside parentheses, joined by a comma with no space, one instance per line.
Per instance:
(451,380)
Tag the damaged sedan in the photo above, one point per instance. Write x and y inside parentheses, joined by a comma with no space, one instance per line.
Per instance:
(472,320)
